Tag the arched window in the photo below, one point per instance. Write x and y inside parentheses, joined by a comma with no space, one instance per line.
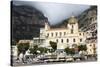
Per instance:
(61,40)
(83,33)
(67,40)
(80,40)
(57,40)
(79,33)
(74,40)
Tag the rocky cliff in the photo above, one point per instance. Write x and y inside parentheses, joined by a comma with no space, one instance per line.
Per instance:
(26,22)
(86,17)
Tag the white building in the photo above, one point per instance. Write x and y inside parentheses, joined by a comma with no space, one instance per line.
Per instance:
(64,37)
(14,51)
(26,41)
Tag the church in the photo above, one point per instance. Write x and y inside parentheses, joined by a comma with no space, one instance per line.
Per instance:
(69,36)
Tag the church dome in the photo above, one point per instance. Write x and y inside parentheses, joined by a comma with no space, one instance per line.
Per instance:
(72,20)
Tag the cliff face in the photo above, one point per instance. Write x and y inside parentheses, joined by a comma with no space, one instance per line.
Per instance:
(88,23)
(26,22)
(85,19)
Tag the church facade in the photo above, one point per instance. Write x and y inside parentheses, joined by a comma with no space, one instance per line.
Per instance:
(69,36)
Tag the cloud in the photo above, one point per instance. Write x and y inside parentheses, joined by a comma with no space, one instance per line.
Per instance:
(55,12)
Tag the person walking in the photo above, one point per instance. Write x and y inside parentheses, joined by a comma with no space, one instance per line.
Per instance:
(21,57)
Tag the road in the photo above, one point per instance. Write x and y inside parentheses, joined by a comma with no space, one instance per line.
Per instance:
(27,63)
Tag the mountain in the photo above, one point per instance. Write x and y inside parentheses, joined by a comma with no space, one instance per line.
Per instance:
(85,19)
(26,22)
(88,23)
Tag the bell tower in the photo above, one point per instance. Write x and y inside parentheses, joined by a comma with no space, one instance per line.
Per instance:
(47,27)
(73,25)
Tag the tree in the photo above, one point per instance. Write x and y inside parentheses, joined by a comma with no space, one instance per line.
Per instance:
(72,51)
(34,50)
(67,50)
(51,50)
(82,48)
(22,47)
(42,50)
(53,45)
(45,50)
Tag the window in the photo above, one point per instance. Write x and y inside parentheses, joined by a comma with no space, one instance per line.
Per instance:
(73,40)
(67,40)
(64,33)
(94,26)
(90,45)
(71,31)
(87,32)
(56,33)
(57,40)
(62,40)
(52,34)
(79,33)
(80,40)
(47,34)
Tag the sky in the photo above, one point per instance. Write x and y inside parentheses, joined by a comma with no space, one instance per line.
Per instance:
(55,12)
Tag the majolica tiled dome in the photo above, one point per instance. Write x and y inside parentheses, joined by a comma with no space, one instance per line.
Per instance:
(72,20)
